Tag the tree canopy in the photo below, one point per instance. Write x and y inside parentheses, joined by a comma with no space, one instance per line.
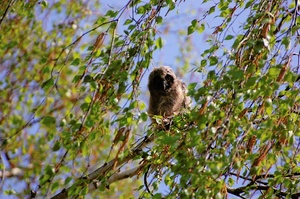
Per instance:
(73,103)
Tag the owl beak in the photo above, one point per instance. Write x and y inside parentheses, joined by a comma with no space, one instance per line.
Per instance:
(166,85)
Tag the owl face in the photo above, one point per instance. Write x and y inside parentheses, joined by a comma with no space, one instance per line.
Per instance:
(161,80)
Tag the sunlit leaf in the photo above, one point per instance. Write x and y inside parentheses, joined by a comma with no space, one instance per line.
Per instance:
(159,42)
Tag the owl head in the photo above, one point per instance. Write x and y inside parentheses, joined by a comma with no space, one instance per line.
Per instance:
(161,80)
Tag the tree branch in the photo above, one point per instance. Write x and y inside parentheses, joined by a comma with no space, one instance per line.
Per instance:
(251,186)
(99,173)
(9,4)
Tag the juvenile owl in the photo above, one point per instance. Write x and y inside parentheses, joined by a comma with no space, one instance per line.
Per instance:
(168,94)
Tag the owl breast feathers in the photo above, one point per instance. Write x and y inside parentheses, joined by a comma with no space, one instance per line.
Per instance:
(168,94)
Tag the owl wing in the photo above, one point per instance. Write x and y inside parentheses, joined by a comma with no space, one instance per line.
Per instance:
(187,100)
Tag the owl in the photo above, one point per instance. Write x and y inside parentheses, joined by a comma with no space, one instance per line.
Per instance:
(168,94)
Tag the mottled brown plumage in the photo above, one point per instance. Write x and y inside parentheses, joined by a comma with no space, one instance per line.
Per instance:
(168,94)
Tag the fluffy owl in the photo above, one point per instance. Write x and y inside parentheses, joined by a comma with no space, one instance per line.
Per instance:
(168,94)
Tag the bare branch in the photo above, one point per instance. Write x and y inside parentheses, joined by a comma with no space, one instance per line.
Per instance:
(104,169)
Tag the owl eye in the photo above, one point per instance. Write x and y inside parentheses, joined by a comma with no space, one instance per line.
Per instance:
(169,78)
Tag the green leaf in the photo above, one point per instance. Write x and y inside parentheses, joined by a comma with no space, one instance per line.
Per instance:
(295,28)
(143,9)
(144,116)
(67,180)
(55,186)
(84,106)
(286,42)
(201,28)
(251,69)
(90,122)
(128,21)
(201,122)
(274,72)
(44,3)
(88,78)
(159,20)
(47,84)
(101,20)
(131,27)
(237,41)
(289,76)
(49,170)
(56,146)
(192,27)
(211,75)
(157,196)
(170,4)
(203,63)
(75,62)
(251,82)
(213,60)
(77,78)
(236,74)
(228,37)
(85,149)
(111,13)
(192,85)
(269,110)
(169,140)
(48,120)
(43,60)
(159,43)
(194,22)
(46,70)
(211,9)
(113,25)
